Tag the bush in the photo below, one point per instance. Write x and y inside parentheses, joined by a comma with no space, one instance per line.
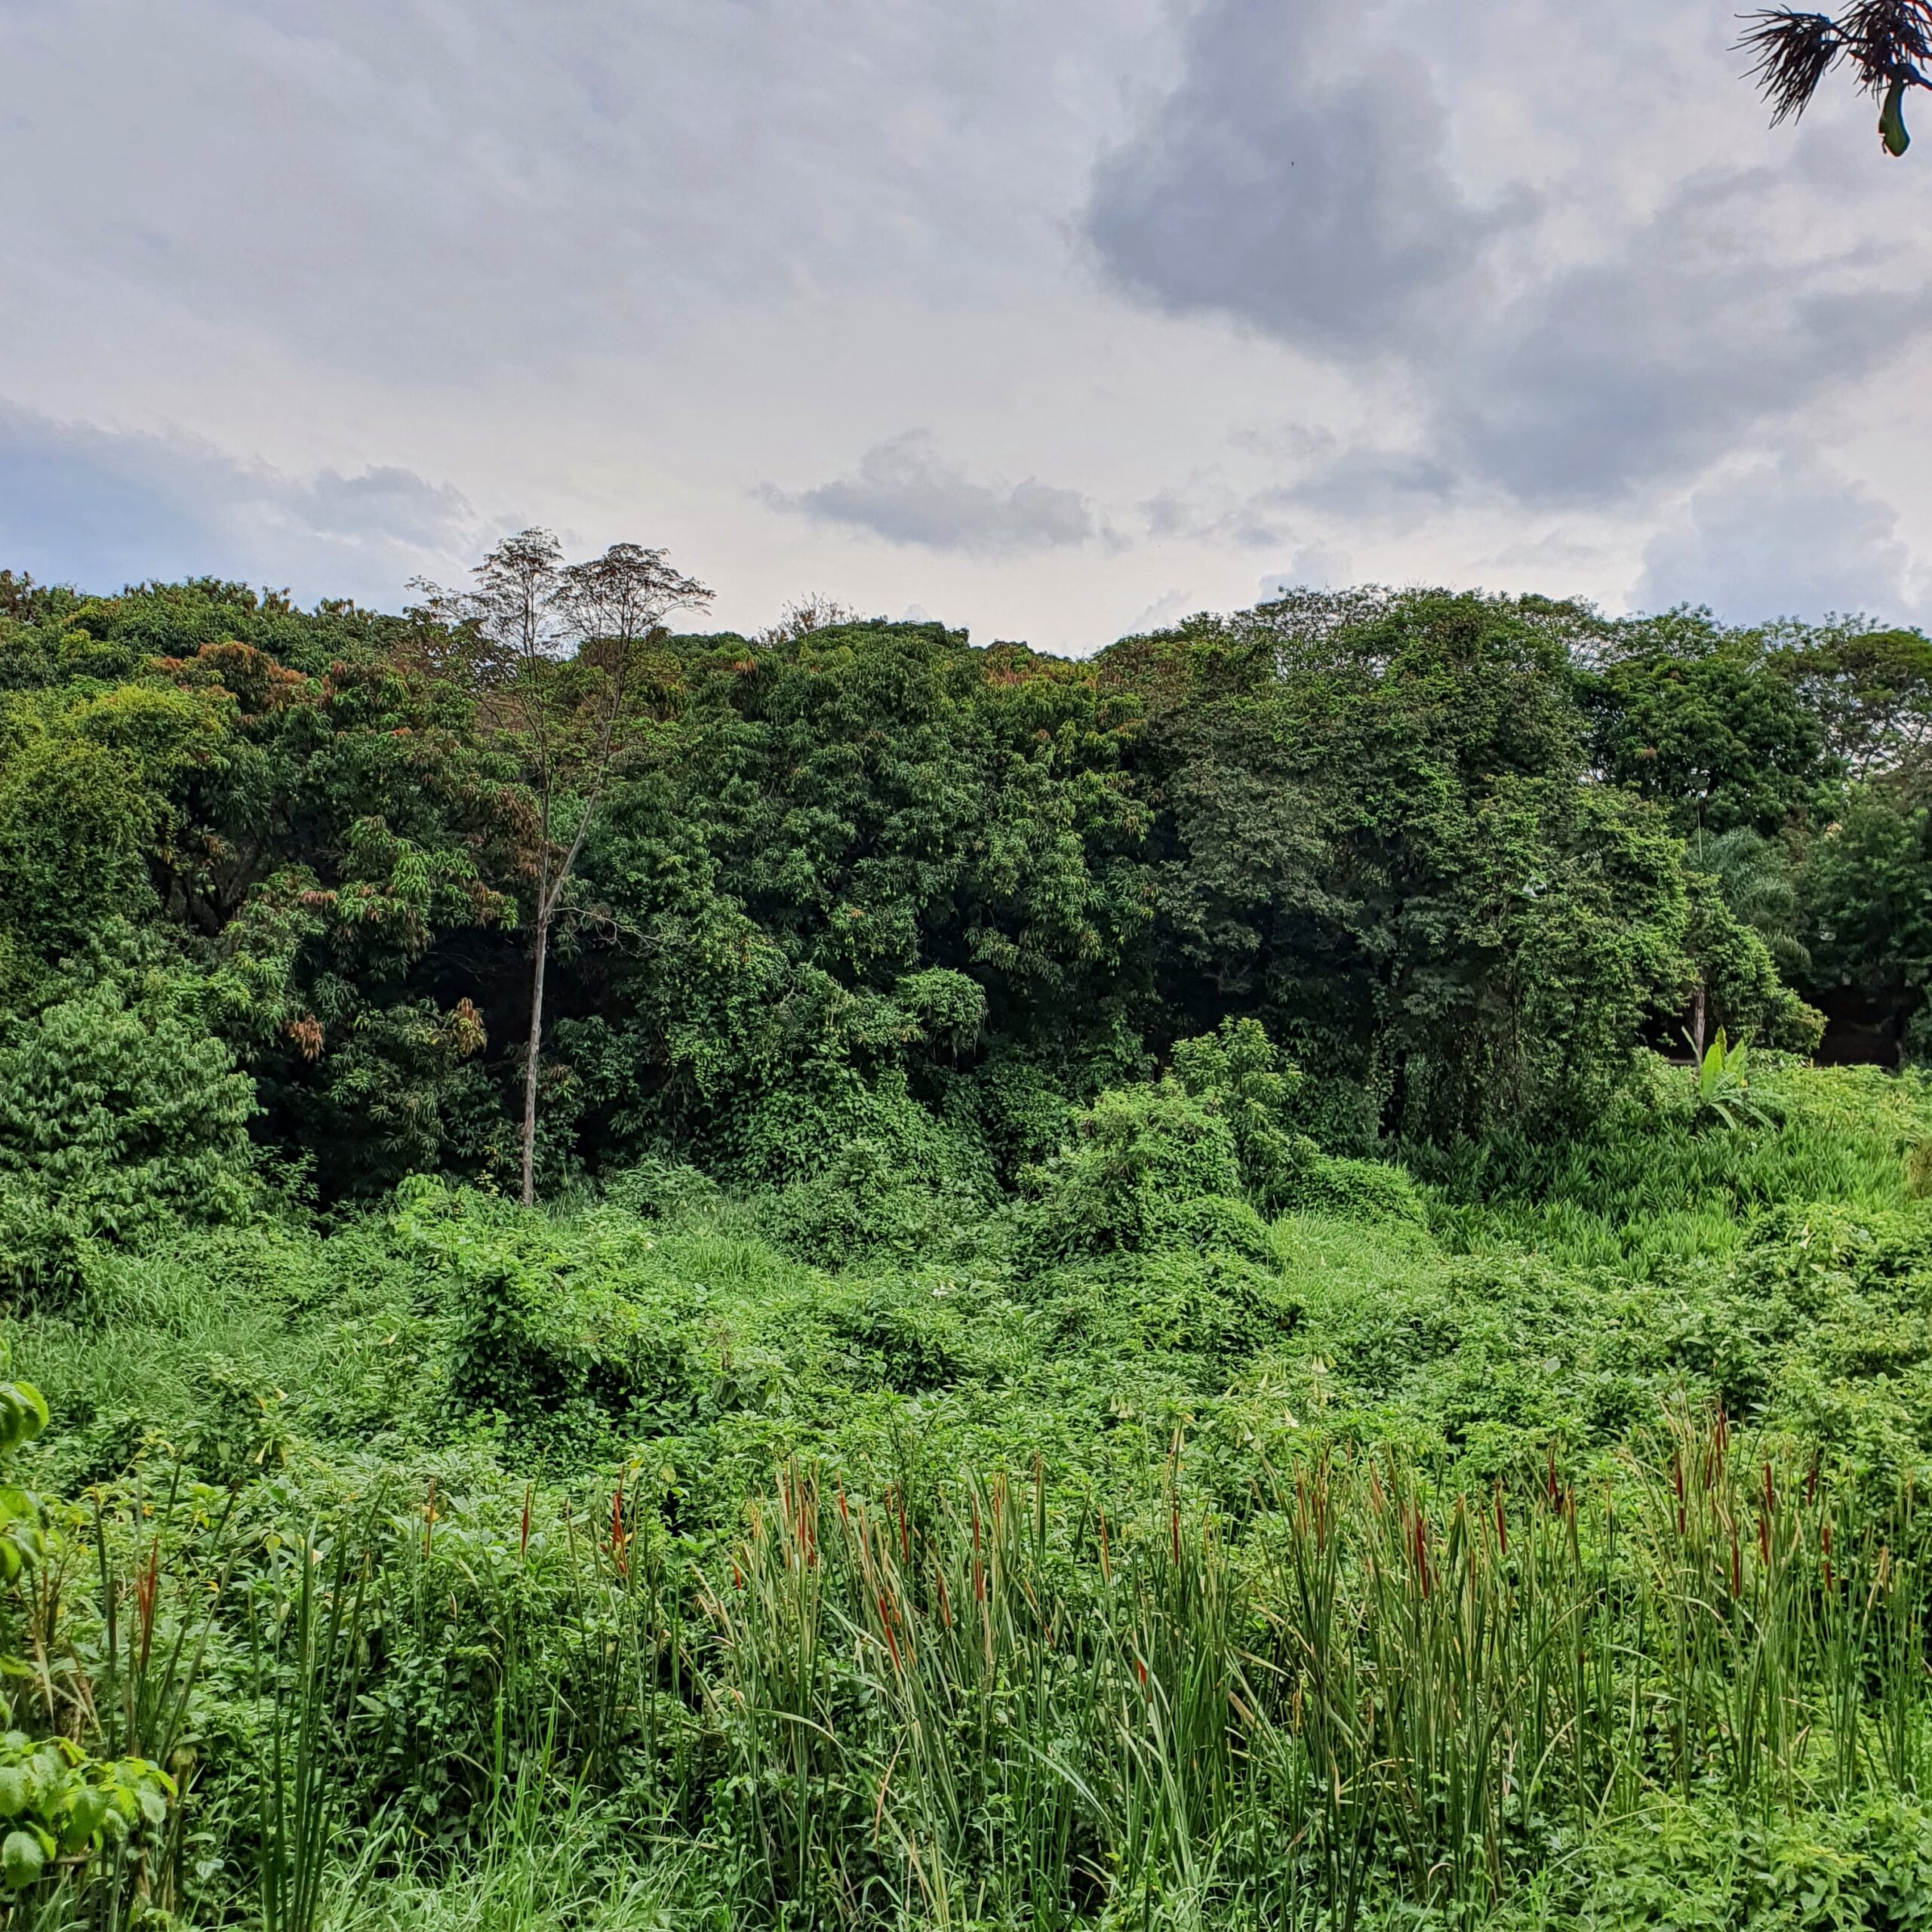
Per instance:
(799,1130)
(841,1167)
(663,1190)
(1213,1304)
(1141,1161)
(116,1118)
(860,1207)
(903,1340)
(1325,1184)
(538,1339)
(1237,1073)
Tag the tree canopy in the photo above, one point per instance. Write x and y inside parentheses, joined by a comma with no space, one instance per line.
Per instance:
(1459,857)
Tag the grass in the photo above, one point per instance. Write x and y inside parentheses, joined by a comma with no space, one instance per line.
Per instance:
(1451,1680)
(969,1703)
(1556,1557)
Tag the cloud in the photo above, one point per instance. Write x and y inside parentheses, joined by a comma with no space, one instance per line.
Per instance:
(1563,344)
(446,193)
(1292,180)
(1368,483)
(1437,286)
(100,508)
(1794,539)
(1372,482)
(905,491)
(1314,567)
(1157,614)
(1206,509)
(1698,326)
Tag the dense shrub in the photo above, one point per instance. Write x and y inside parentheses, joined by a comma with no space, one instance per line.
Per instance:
(1146,1167)
(541,1429)
(540,1341)
(118,1116)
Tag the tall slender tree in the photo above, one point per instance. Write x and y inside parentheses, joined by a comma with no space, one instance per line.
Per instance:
(552,651)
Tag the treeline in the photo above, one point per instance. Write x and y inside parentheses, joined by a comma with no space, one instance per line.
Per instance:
(861,893)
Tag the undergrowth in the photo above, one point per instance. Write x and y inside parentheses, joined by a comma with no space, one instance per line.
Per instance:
(1531,1534)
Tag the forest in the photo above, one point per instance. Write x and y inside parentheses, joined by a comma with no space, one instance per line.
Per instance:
(1279,1278)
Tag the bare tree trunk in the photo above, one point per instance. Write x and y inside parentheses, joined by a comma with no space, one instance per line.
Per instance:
(1697,1023)
(531,1061)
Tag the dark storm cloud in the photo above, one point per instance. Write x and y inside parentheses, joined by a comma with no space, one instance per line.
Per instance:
(1290,181)
(90,507)
(905,491)
(1296,178)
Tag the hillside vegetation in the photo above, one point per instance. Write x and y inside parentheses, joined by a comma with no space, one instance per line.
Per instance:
(1139,1312)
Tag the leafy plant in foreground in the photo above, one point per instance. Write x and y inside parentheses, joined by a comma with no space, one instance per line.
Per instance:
(82,1833)
(1724,1088)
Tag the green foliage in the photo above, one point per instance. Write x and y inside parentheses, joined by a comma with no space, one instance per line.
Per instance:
(239,1426)
(656,1189)
(1755,879)
(524,1443)
(1871,690)
(1238,1072)
(1147,1168)
(539,1341)
(1707,722)
(23,1415)
(57,1803)
(1723,1086)
(61,1810)
(1701,1861)
(1368,1189)
(861,1204)
(1399,831)
(1866,887)
(1240,1076)
(969,1070)
(72,818)
(1377,835)
(1741,982)
(118,1117)
(301,829)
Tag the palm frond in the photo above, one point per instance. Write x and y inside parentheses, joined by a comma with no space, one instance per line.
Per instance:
(1794,52)
(1885,41)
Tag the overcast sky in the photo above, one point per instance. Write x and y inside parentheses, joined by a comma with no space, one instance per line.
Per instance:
(1056,321)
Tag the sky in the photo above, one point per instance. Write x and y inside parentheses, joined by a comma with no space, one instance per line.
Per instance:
(1055,322)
